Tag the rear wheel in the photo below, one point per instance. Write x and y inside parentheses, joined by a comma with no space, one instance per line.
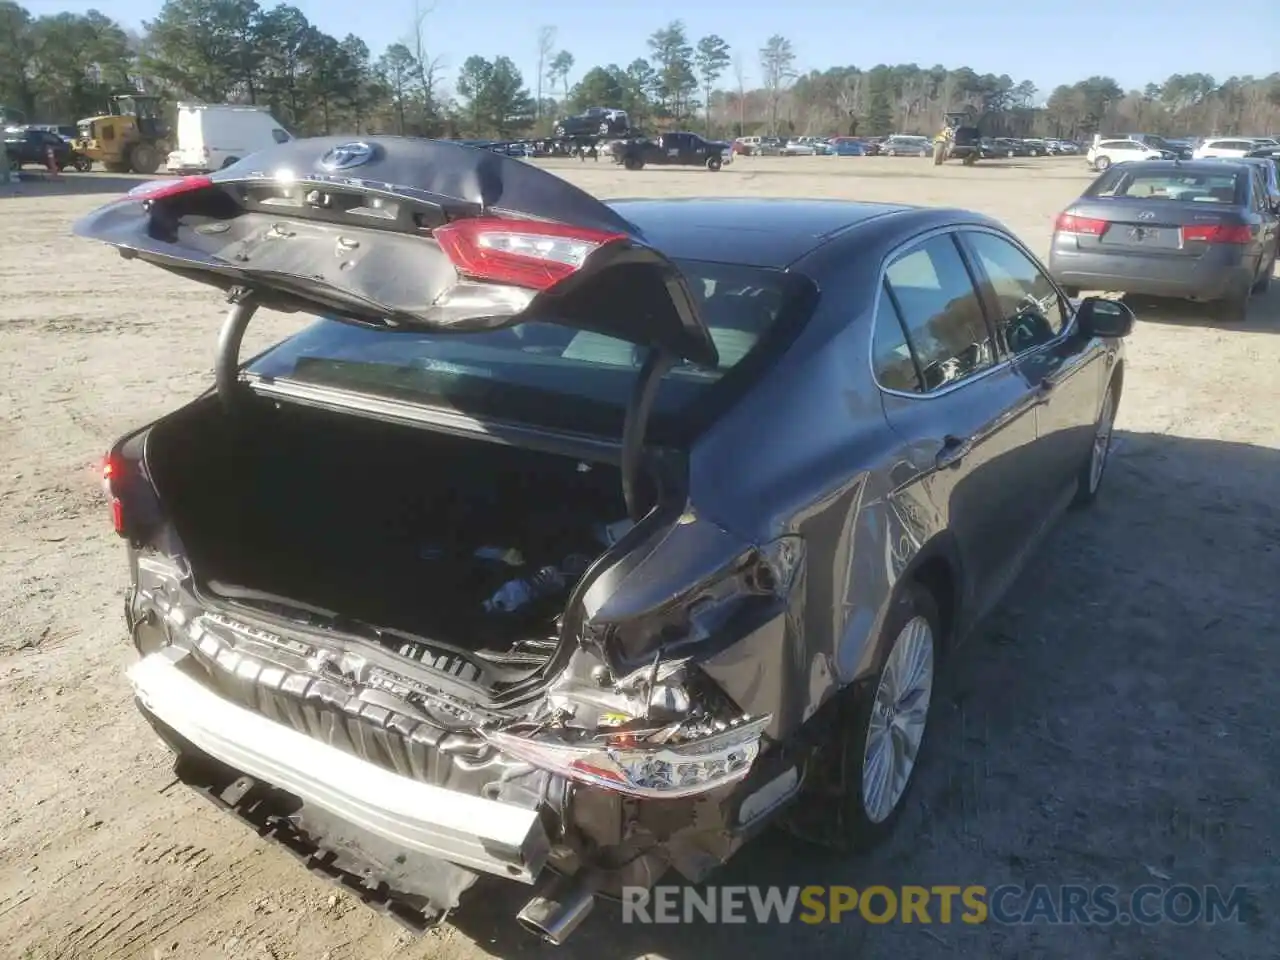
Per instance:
(1264,281)
(1101,164)
(144,158)
(862,776)
(1235,309)
(714,163)
(83,164)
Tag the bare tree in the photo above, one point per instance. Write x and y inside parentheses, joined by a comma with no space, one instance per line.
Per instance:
(777,64)
(428,67)
(740,75)
(559,69)
(546,47)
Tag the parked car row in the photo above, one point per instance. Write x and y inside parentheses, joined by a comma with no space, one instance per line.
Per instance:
(897,145)
(1104,152)
(30,146)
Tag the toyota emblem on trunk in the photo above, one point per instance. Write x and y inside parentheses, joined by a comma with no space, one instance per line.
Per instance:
(347,155)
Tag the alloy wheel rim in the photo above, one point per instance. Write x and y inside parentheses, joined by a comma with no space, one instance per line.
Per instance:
(899,714)
(1101,443)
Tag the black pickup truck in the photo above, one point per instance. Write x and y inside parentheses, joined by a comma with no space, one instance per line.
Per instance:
(27,145)
(672,149)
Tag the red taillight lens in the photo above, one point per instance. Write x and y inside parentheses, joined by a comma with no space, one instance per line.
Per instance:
(160,189)
(110,469)
(1086,226)
(1217,233)
(522,253)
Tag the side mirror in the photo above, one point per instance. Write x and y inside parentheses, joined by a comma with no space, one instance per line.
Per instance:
(1100,317)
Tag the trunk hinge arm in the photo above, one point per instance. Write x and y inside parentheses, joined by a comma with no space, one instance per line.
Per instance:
(227,361)
(656,366)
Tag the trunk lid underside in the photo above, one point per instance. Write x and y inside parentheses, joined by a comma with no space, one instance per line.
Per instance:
(420,234)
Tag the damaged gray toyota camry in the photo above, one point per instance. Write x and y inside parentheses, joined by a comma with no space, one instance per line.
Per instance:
(576,541)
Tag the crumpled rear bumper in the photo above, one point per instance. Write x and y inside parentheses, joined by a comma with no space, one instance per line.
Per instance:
(481,834)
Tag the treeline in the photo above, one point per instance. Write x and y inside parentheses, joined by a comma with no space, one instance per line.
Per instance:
(60,67)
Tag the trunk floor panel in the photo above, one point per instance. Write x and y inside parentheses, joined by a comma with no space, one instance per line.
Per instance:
(377,523)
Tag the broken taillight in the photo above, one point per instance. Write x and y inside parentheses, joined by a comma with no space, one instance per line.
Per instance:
(160,189)
(110,469)
(640,767)
(522,253)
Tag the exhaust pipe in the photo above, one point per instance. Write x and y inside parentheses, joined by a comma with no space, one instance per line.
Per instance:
(560,908)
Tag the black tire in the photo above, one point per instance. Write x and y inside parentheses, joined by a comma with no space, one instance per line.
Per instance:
(832,810)
(632,163)
(1101,164)
(970,160)
(144,158)
(714,162)
(1087,485)
(1264,282)
(1034,153)
(1234,309)
(83,164)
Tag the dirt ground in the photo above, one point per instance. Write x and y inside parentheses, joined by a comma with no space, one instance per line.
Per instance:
(1113,723)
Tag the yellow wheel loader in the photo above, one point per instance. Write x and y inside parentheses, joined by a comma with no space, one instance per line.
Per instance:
(131,137)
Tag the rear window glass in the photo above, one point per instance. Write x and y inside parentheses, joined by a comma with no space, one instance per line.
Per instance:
(541,372)
(1167,185)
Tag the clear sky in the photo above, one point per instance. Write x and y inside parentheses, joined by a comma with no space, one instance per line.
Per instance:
(1045,42)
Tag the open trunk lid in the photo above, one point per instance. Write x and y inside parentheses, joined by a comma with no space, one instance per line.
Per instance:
(407,233)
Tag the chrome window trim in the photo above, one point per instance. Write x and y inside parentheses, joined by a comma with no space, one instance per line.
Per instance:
(1006,361)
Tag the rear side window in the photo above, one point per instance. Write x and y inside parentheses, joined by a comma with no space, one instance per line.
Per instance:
(1117,145)
(938,307)
(279,136)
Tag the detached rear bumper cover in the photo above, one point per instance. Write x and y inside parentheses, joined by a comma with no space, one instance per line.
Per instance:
(485,835)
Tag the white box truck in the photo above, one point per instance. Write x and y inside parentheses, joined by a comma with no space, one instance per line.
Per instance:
(215,135)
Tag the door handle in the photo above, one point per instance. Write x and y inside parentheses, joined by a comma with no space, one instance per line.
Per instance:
(953,451)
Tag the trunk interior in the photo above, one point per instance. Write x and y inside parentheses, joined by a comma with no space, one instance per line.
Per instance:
(401,528)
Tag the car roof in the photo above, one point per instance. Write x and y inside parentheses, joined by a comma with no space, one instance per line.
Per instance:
(761,232)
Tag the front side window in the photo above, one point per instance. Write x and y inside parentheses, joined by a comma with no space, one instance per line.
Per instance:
(940,311)
(1029,311)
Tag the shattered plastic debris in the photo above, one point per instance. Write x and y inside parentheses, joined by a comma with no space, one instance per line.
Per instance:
(610,533)
(508,555)
(514,594)
(549,580)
